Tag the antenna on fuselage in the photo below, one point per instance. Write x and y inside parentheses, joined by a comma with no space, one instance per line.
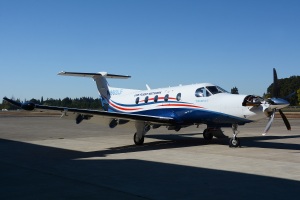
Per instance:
(147,86)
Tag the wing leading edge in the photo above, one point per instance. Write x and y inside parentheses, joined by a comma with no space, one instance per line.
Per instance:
(125,116)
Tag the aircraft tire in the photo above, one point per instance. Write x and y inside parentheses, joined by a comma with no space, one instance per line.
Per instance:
(234,142)
(207,135)
(138,141)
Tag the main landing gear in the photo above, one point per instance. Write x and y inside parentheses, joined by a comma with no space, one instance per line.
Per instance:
(141,129)
(209,133)
(138,141)
(234,141)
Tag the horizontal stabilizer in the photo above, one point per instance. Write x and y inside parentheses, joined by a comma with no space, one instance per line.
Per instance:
(92,75)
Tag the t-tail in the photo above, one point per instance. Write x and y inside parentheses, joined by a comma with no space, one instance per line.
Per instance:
(101,82)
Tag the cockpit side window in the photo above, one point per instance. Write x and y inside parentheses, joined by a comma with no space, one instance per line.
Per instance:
(202,92)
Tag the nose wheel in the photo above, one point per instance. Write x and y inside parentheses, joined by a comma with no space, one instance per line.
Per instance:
(234,141)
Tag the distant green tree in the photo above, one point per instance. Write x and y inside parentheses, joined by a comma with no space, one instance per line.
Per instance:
(298,94)
(286,87)
(35,101)
(66,102)
(234,90)
(266,96)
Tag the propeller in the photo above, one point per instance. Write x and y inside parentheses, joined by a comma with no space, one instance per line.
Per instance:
(276,103)
(275,84)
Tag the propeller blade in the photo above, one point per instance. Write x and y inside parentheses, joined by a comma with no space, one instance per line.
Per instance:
(271,119)
(275,84)
(290,95)
(286,121)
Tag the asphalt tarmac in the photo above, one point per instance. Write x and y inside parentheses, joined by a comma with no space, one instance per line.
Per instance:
(51,158)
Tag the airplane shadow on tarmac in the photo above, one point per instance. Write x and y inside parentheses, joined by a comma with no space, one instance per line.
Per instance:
(30,171)
(258,141)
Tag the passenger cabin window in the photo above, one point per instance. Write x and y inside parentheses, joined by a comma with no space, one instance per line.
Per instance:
(137,100)
(146,99)
(166,97)
(178,97)
(156,98)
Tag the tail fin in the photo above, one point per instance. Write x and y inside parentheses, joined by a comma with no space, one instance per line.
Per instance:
(102,85)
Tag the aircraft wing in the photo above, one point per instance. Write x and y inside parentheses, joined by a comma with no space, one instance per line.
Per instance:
(80,114)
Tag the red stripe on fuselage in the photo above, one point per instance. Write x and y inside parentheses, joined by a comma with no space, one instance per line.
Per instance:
(122,108)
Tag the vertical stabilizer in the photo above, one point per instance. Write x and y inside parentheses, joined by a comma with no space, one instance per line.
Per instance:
(101,82)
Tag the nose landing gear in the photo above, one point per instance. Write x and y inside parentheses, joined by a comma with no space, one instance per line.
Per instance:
(234,141)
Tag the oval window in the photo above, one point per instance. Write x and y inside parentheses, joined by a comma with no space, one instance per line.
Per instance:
(137,100)
(156,98)
(146,99)
(178,97)
(166,97)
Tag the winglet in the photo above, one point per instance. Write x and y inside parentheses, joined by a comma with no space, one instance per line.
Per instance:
(26,106)
(15,103)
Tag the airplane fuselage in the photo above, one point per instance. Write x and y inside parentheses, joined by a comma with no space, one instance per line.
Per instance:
(189,104)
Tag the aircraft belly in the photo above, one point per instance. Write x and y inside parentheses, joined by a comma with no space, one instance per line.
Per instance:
(212,117)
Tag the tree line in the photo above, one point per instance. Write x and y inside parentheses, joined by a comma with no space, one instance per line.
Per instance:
(289,89)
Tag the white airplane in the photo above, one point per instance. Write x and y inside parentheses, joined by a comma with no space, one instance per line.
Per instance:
(173,107)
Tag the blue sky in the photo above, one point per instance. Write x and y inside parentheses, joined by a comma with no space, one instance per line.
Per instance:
(158,42)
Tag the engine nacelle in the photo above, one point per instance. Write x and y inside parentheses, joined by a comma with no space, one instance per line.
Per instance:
(28,106)
(113,123)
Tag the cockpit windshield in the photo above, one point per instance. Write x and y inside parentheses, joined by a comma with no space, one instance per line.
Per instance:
(208,91)
(216,89)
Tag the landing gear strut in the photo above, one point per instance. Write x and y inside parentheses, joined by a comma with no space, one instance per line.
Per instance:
(234,141)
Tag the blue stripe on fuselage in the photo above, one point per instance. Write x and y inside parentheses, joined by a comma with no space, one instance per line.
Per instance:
(191,116)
